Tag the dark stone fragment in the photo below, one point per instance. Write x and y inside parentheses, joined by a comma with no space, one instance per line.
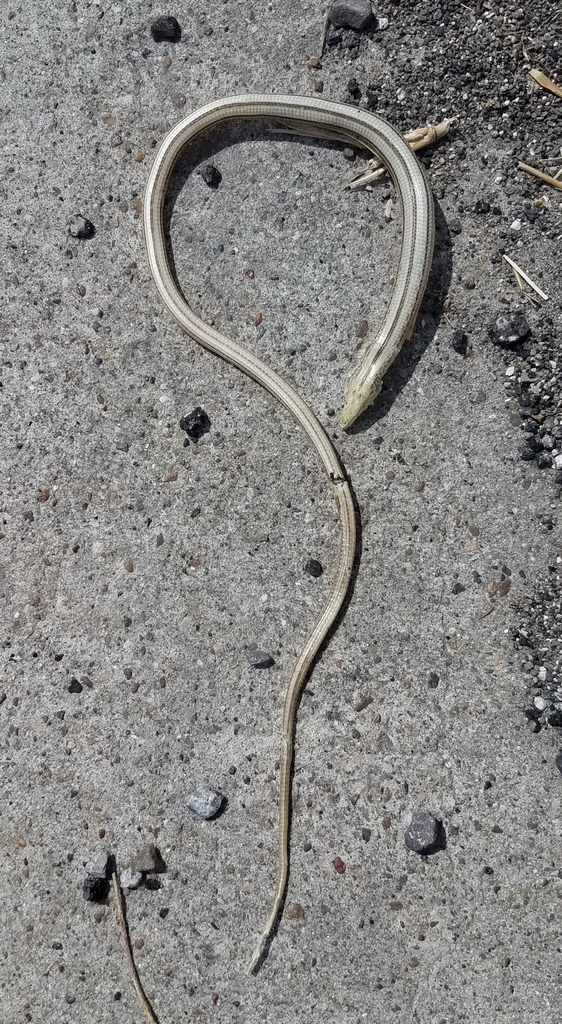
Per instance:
(459,342)
(425,834)
(56,945)
(333,36)
(455,226)
(544,460)
(165,30)
(487,784)
(433,680)
(458,588)
(526,453)
(508,331)
(196,423)
(75,686)
(481,206)
(558,762)
(533,442)
(80,227)
(353,89)
(313,568)
(149,860)
(60,715)
(260,659)
(555,719)
(366,834)
(95,889)
(356,14)
(211,175)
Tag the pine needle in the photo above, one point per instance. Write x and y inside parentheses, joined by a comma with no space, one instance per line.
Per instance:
(521,273)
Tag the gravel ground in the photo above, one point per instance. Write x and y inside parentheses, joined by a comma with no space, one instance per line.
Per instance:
(140,571)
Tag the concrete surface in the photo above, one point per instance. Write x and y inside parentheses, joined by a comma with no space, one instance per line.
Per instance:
(96,482)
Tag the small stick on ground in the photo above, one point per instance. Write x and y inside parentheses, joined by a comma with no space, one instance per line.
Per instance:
(146,1007)
(521,273)
(540,174)
(324,31)
(418,138)
(546,83)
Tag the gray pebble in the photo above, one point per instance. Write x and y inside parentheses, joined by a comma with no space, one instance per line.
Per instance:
(99,865)
(509,330)
(80,227)
(130,879)
(424,834)
(351,14)
(260,659)
(205,802)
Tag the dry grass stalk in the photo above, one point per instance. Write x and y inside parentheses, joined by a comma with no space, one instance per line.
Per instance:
(418,138)
(555,182)
(146,1007)
(546,83)
(521,274)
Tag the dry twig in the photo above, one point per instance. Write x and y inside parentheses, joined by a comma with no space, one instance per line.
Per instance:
(521,274)
(416,139)
(146,1007)
(324,31)
(555,182)
(546,83)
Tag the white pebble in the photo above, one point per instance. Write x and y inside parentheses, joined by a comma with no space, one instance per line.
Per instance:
(130,879)
(542,675)
(510,371)
(516,225)
(205,802)
(558,462)
(540,703)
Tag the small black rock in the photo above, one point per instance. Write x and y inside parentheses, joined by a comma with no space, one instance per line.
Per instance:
(56,945)
(80,227)
(433,680)
(260,659)
(425,834)
(211,175)
(543,460)
(526,453)
(366,834)
(459,342)
(165,30)
(481,206)
(333,36)
(353,89)
(458,588)
(313,567)
(555,719)
(95,889)
(509,330)
(196,423)
(75,686)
